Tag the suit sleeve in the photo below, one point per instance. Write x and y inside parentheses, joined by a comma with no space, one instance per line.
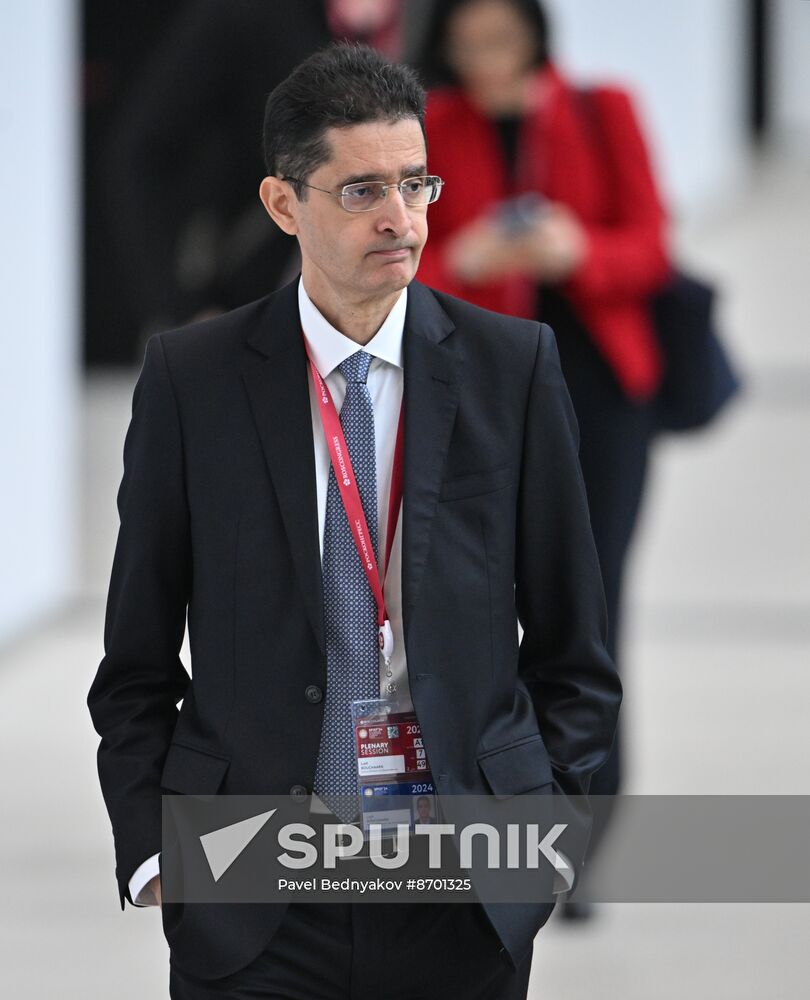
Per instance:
(133,698)
(627,255)
(573,682)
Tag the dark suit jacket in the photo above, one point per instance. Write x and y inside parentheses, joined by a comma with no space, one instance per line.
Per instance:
(218,513)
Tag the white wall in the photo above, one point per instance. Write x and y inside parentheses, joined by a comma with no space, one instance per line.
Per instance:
(790,72)
(38,289)
(686,65)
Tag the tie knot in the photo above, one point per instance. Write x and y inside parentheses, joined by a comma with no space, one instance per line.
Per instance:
(355,368)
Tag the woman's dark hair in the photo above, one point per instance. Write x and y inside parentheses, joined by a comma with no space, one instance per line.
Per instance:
(343,84)
(434,68)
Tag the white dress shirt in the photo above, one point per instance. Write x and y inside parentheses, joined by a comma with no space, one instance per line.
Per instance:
(329,348)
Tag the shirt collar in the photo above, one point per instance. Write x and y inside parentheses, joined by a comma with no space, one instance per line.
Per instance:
(329,347)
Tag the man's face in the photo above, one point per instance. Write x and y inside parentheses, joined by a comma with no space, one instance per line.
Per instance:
(424,809)
(365,254)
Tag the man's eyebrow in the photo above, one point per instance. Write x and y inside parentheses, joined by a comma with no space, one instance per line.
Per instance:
(412,170)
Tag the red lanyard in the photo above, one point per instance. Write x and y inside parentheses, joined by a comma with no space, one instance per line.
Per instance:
(344,474)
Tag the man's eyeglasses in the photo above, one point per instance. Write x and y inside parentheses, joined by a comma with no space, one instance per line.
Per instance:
(368,195)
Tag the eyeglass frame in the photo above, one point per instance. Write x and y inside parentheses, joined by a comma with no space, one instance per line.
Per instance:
(340,194)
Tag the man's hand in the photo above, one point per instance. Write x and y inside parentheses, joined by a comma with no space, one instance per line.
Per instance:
(153,887)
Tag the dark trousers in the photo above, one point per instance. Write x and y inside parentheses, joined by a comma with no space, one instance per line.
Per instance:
(615,435)
(394,951)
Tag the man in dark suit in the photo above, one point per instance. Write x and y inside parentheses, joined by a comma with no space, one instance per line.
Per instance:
(231,515)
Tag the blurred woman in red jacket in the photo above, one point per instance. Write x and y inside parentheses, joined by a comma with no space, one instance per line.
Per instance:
(550,211)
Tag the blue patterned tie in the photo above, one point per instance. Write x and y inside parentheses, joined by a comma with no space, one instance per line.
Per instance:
(350,612)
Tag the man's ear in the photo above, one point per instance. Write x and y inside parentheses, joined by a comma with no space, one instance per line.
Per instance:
(277,196)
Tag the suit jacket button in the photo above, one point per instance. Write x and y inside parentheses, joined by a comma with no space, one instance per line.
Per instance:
(313,693)
(298,793)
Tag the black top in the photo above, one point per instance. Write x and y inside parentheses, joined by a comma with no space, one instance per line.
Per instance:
(577,352)
(508,127)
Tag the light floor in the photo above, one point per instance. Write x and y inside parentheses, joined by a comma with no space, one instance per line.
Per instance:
(717,675)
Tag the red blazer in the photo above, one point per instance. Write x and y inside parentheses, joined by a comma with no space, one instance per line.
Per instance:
(602,173)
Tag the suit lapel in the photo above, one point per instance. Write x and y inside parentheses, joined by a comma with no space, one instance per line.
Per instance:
(276,380)
(433,371)
(277,386)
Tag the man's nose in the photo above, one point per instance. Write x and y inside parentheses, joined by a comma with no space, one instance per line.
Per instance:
(394,213)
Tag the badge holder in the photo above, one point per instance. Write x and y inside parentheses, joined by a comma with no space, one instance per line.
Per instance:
(394,780)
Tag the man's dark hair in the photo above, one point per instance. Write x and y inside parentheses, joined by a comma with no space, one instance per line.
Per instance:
(341,85)
(434,68)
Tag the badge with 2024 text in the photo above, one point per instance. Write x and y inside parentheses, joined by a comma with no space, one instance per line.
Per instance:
(393,770)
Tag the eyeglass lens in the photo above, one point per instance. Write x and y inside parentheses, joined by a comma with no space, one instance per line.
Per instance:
(368,194)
